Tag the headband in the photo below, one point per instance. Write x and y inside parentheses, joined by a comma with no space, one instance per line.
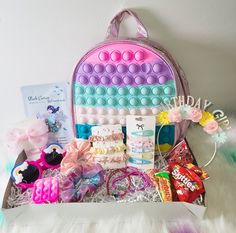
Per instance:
(196,115)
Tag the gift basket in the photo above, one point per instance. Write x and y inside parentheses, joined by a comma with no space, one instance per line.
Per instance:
(123,142)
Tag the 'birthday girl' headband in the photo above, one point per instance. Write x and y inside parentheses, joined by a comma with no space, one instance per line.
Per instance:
(180,110)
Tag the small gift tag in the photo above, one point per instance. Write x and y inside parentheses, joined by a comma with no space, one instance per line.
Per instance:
(108,147)
(141,141)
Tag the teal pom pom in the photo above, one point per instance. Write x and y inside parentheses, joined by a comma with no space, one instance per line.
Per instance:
(220,137)
(184,111)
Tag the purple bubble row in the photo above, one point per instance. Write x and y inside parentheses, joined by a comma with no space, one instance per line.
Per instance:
(119,80)
(122,68)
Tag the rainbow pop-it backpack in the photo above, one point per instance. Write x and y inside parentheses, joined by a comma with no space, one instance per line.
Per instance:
(126,76)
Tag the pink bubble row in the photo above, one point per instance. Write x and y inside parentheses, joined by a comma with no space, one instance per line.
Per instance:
(116,55)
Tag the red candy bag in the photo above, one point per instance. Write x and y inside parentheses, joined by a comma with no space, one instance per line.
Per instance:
(187,183)
(201,173)
(180,154)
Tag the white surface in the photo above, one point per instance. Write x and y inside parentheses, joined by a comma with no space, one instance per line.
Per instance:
(41,41)
(91,212)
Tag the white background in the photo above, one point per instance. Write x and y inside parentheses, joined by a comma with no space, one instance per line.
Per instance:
(41,42)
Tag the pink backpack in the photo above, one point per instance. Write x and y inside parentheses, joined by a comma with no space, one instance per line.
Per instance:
(126,76)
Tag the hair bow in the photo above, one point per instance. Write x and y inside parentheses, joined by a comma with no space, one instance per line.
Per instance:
(36,135)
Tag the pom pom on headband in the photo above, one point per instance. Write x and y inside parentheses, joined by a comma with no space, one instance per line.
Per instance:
(196,115)
(77,150)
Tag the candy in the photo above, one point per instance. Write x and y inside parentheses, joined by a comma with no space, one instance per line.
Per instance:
(187,183)
(181,154)
(151,173)
(164,185)
(201,173)
(161,181)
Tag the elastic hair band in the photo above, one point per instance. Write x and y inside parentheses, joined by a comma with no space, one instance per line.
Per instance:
(76,151)
(109,150)
(113,137)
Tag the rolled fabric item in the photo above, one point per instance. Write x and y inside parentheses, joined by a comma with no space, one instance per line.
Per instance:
(80,181)
(76,151)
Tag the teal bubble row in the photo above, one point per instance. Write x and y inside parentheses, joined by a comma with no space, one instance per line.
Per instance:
(118,97)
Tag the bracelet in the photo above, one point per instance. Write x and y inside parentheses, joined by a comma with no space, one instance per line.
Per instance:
(122,194)
(127,173)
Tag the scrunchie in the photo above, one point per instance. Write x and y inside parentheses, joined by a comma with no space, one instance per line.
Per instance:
(81,176)
(80,181)
(77,150)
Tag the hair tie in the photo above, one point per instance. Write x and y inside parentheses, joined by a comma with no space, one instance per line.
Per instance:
(114,137)
(109,150)
(77,150)
(80,181)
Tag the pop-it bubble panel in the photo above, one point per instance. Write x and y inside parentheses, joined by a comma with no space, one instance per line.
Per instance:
(119,79)
(46,190)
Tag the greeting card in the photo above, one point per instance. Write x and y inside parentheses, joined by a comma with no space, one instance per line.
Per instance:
(50,102)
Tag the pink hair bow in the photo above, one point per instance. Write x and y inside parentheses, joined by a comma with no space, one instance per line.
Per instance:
(36,135)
